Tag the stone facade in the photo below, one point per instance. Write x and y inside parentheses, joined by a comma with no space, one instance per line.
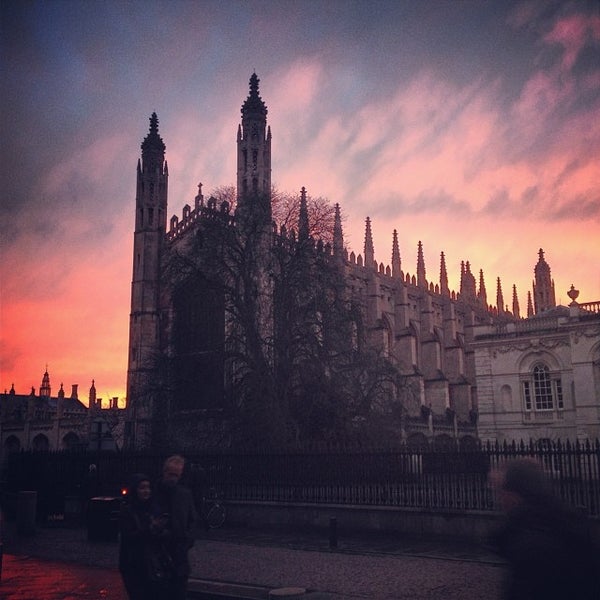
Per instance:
(44,422)
(181,326)
(539,378)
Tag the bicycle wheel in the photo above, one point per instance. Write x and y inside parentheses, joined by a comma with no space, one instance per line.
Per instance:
(215,517)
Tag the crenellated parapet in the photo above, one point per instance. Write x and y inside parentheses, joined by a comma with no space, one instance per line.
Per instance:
(190,217)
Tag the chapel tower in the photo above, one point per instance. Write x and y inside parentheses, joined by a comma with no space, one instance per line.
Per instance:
(254,217)
(148,239)
(254,157)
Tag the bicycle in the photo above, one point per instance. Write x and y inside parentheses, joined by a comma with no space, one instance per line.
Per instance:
(213,509)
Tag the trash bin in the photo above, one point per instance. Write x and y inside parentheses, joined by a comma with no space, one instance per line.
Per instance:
(103,519)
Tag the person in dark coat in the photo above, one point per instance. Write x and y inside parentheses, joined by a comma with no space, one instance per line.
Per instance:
(549,549)
(175,504)
(141,537)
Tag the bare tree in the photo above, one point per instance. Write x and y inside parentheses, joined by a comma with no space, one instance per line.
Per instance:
(286,213)
(290,369)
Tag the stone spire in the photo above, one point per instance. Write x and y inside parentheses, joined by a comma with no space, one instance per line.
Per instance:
(482,294)
(421,274)
(515,304)
(369,248)
(543,286)
(444,289)
(530,312)
(467,282)
(499,298)
(396,263)
(338,234)
(303,226)
(153,148)
(253,105)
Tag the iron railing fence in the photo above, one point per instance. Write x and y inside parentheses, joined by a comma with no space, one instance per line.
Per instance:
(435,479)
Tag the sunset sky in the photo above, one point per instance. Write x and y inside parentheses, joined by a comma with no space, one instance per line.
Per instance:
(471,126)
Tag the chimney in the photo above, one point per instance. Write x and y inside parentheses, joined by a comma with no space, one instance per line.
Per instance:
(74,391)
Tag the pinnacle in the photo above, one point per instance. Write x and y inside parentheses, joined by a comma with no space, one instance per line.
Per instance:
(153,141)
(254,104)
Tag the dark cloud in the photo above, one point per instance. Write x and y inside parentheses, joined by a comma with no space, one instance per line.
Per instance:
(580,208)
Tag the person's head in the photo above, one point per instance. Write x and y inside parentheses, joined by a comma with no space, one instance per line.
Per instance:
(140,488)
(522,480)
(172,470)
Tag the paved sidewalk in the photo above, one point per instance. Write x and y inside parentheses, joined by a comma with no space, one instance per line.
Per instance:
(238,561)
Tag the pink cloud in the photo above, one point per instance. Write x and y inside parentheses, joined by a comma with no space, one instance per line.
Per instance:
(573,33)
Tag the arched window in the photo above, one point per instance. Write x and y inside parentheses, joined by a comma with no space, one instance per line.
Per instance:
(12,444)
(70,441)
(542,390)
(40,443)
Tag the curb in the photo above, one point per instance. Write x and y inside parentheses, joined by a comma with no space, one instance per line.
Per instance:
(204,588)
(207,589)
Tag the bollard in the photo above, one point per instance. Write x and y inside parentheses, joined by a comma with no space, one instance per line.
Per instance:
(333,537)
(26,512)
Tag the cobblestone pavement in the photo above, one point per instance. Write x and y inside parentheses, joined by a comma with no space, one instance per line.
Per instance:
(362,567)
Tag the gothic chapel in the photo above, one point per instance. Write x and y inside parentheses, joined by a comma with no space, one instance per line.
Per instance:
(238,322)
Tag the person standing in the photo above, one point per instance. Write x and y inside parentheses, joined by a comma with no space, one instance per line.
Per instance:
(135,523)
(175,504)
(549,549)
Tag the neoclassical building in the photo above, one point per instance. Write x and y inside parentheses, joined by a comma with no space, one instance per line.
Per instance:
(224,300)
(539,378)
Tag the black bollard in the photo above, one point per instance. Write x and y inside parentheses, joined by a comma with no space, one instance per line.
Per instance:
(333,536)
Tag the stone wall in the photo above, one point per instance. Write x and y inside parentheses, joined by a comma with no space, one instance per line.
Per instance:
(473,526)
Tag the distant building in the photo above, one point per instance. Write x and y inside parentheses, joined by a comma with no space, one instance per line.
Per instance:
(224,296)
(44,422)
(539,378)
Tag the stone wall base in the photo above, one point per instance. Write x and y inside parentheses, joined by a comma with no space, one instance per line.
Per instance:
(471,526)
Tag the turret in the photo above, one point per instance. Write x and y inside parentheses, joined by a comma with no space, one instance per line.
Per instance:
(303,225)
(60,402)
(467,282)
(148,241)
(338,234)
(530,312)
(499,297)
(515,304)
(543,286)
(396,263)
(254,159)
(421,274)
(45,389)
(92,396)
(369,247)
(482,293)
(444,289)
